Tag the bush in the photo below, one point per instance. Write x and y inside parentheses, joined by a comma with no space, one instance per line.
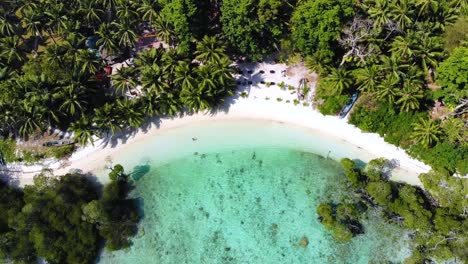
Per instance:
(296,102)
(282,85)
(7,150)
(444,155)
(332,104)
(63,151)
(279,99)
(29,156)
(386,121)
(351,171)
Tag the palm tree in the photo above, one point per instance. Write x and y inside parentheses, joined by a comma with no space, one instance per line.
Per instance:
(30,119)
(7,73)
(125,12)
(206,80)
(455,130)
(106,41)
(149,104)
(429,52)
(106,118)
(167,104)
(403,46)
(54,54)
(82,132)
(339,80)
(109,5)
(209,50)
(409,97)
(223,73)
(72,98)
(87,62)
(125,33)
(401,12)
(12,50)
(130,114)
(34,21)
(169,63)
(91,14)
(9,117)
(426,132)
(57,19)
(378,10)
(73,44)
(183,76)
(153,79)
(392,65)
(444,15)
(164,31)
(125,79)
(194,100)
(426,6)
(149,57)
(148,10)
(387,89)
(367,78)
(8,26)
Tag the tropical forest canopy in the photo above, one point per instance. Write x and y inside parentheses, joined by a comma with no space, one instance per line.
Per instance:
(404,57)
(66,219)
(436,219)
(408,59)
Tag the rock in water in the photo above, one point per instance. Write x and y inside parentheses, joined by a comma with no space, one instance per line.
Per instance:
(304,242)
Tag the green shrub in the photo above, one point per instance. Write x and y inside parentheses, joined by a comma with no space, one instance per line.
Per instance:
(386,121)
(244,94)
(30,156)
(288,101)
(63,151)
(333,104)
(396,127)
(296,102)
(444,155)
(282,85)
(279,99)
(7,150)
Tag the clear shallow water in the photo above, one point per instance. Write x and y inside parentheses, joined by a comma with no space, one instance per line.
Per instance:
(247,205)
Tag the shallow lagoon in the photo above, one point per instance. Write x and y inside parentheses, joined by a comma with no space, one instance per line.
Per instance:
(234,200)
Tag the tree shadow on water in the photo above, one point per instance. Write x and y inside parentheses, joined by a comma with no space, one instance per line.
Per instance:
(139,171)
(360,163)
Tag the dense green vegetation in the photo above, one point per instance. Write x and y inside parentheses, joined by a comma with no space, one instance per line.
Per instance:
(394,56)
(49,77)
(408,60)
(401,56)
(436,217)
(65,219)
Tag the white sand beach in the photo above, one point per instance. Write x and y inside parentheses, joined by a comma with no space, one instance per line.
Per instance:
(260,104)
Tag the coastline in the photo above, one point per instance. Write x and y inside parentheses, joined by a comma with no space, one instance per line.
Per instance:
(254,107)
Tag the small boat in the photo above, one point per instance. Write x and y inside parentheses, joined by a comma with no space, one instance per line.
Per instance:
(345,110)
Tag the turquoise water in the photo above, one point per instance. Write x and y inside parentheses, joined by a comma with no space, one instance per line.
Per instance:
(247,205)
